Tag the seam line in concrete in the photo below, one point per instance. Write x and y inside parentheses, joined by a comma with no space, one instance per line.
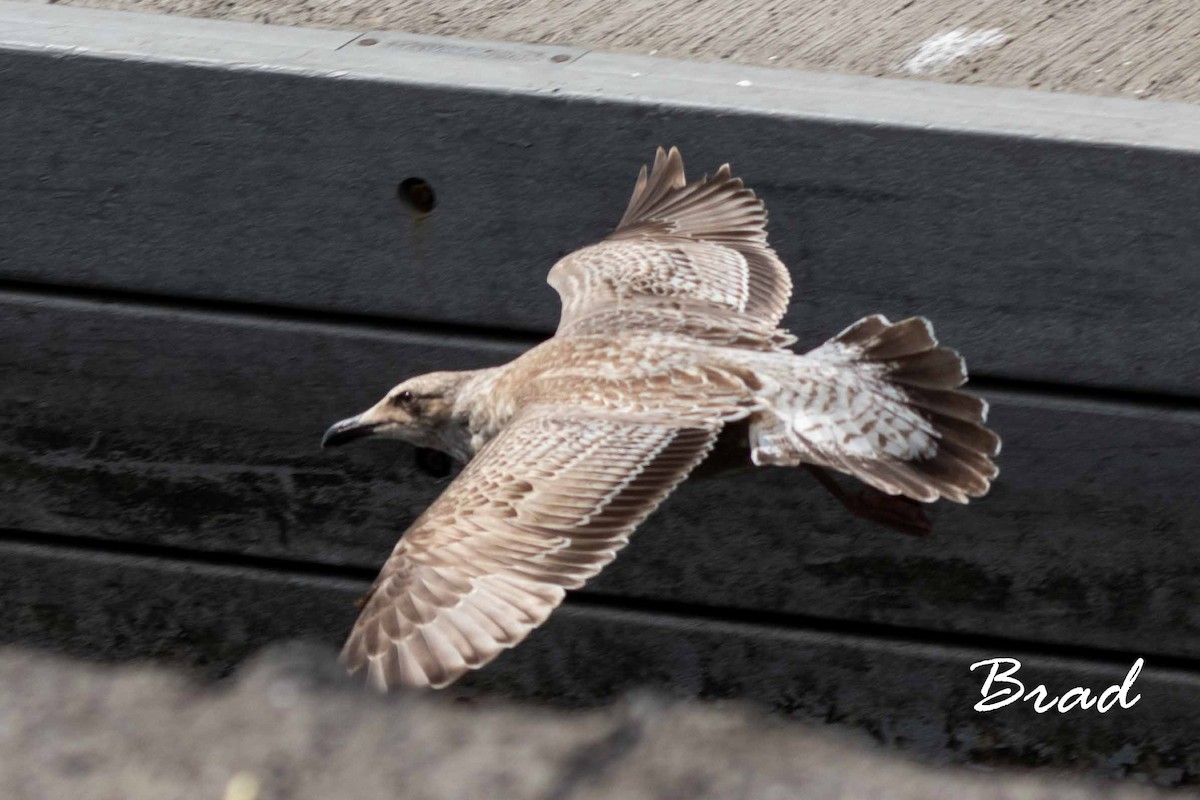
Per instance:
(358,578)
(1185,408)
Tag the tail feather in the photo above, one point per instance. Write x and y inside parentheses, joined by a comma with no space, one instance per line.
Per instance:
(937,368)
(969,435)
(865,330)
(912,337)
(965,407)
(879,402)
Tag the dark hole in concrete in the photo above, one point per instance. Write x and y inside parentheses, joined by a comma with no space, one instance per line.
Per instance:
(416,195)
(433,463)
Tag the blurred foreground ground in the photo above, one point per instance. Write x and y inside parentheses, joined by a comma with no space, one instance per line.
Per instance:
(291,726)
(1133,48)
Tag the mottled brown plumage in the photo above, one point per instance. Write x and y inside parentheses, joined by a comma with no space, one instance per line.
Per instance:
(669,337)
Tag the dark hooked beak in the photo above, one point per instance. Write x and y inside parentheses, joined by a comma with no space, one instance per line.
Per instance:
(347,431)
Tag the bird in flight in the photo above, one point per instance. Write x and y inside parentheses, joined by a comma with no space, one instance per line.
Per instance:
(668,352)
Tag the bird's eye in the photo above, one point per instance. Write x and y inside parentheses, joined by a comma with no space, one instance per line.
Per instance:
(404,398)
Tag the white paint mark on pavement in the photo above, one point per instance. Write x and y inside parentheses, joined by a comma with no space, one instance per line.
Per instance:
(939,51)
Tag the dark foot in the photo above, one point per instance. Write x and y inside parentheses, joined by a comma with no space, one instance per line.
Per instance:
(434,463)
(896,512)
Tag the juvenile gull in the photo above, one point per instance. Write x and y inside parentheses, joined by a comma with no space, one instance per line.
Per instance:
(668,348)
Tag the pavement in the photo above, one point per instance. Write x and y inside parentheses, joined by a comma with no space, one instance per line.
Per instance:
(1133,48)
(290,725)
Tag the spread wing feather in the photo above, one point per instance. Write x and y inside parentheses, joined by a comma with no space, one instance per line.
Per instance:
(700,245)
(541,508)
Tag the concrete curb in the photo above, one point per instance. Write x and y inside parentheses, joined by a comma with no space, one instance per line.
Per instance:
(1065,223)
(572,72)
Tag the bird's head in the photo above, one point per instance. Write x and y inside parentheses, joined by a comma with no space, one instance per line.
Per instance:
(422,411)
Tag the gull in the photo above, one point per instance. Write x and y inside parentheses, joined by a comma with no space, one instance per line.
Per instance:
(668,351)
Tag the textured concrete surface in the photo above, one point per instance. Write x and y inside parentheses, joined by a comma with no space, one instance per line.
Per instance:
(1084,254)
(1135,48)
(228,462)
(290,727)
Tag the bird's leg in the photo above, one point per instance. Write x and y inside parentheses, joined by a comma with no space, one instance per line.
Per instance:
(896,512)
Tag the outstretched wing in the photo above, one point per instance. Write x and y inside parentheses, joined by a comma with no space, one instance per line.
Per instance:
(542,508)
(698,248)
